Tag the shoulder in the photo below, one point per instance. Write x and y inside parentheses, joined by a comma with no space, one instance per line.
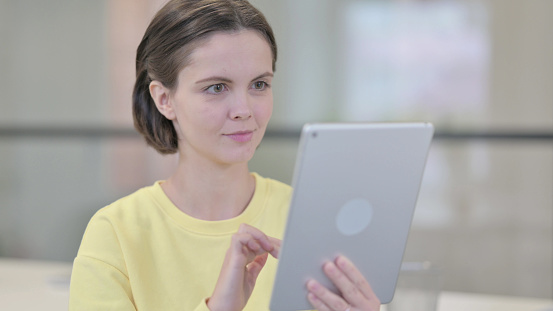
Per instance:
(130,206)
(118,227)
(127,212)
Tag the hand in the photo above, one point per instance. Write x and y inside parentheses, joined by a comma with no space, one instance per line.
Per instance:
(246,256)
(357,294)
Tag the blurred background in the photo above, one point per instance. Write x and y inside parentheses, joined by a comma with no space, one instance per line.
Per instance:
(480,70)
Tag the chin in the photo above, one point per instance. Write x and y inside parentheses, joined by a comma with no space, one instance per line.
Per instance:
(240,156)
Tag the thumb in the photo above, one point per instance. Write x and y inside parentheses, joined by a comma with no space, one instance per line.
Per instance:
(254,268)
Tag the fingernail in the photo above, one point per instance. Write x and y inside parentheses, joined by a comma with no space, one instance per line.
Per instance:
(330,267)
(341,261)
(312,285)
(312,297)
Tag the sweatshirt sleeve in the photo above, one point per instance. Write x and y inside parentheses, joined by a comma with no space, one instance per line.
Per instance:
(96,285)
(99,280)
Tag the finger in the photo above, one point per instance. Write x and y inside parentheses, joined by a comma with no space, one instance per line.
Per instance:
(255,267)
(328,298)
(356,277)
(253,245)
(317,303)
(245,248)
(267,243)
(348,289)
(247,245)
(276,246)
(258,235)
(242,250)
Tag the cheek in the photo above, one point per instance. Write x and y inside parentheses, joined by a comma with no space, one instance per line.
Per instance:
(205,117)
(264,111)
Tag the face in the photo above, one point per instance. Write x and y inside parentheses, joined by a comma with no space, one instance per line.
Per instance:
(223,101)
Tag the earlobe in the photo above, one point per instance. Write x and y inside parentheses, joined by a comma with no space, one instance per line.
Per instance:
(161,97)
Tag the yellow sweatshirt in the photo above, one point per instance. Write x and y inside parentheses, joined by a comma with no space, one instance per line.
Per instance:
(143,253)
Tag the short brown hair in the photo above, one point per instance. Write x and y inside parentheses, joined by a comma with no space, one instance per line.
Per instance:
(165,50)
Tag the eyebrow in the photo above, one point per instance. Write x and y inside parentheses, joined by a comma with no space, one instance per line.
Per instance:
(227,80)
(214,78)
(263,75)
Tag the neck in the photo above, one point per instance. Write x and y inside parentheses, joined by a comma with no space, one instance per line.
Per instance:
(210,192)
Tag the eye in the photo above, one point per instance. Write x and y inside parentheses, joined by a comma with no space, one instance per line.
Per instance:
(260,85)
(216,88)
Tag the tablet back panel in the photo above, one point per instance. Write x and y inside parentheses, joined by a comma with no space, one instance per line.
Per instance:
(355,190)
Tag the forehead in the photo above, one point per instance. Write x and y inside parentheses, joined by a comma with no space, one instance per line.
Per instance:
(244,47)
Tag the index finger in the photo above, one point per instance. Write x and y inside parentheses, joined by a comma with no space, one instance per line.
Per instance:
(269,244)
(276,243)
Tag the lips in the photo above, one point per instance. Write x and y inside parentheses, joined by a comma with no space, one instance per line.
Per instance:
(241,136)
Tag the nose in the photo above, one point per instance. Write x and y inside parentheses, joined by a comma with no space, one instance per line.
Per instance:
(240,108)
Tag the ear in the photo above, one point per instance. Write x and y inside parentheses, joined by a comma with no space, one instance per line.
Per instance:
(161,97)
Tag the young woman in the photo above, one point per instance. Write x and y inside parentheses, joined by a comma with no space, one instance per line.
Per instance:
(207,238)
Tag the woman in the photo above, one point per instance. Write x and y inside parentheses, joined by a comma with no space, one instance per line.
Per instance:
(207,237)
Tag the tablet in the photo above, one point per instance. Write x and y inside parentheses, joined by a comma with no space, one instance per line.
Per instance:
(355,190)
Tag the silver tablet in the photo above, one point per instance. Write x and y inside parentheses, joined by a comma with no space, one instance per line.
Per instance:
(355,190)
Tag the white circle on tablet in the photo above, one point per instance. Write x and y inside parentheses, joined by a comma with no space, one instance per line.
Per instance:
(354,216)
